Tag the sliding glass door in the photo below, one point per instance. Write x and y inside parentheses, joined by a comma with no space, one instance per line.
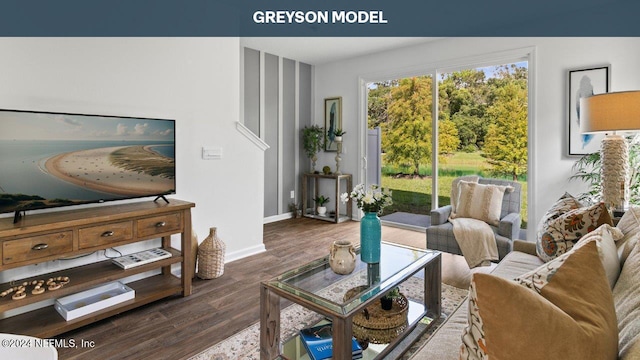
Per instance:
(480,128)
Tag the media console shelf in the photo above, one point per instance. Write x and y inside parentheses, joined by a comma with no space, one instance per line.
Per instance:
(45,237)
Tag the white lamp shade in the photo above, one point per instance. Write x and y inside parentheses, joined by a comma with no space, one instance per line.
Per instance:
(616,111)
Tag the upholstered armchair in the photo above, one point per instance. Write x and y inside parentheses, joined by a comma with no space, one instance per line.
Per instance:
(440,233)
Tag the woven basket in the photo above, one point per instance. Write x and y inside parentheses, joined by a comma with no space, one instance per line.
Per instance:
(376,325)
(211,256)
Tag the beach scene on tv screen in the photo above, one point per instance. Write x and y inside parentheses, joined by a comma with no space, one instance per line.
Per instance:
(60,159)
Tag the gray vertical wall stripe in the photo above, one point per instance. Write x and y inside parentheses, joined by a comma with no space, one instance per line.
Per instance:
(288,131)
(305,112)
(271,82)
(252,90)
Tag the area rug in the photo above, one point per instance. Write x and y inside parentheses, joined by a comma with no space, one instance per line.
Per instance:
(246,343)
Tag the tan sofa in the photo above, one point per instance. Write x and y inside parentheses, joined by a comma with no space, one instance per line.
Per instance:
(445,342)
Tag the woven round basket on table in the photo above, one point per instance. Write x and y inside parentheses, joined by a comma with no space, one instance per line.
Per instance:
(376,325)
(211,256)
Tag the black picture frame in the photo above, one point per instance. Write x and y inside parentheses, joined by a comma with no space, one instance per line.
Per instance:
(581,83)
(332,121)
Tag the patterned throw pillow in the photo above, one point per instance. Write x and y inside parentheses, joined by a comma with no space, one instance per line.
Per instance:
(559,234)
(562,310)
(565,204)
(480,202)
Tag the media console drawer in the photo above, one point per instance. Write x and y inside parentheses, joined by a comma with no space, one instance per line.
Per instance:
(36,247)
(105,234)
(159,224)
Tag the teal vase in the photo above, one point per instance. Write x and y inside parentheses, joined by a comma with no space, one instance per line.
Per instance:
(370,237)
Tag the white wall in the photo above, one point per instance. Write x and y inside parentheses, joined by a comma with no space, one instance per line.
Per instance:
(554,56)
(193,80)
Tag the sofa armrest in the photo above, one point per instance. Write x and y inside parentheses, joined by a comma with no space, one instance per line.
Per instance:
(440,215)
(509,226)
(526,247)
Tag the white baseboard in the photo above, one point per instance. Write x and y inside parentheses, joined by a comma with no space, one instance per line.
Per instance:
(275,218)
(237,255)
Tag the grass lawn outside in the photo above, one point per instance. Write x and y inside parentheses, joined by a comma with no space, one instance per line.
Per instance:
(413,195)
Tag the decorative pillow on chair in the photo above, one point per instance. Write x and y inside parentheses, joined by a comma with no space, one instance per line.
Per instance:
(559,235)
(563,310)
(480,202)
(605,237)
(455,189)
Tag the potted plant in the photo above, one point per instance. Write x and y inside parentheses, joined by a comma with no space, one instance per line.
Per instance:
(320,201)
(294,209)
(386,301)
(338,134)
(312,137)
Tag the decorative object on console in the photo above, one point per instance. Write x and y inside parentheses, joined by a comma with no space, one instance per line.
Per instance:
(39,287)
(609,113)
(582,83)
(342,257)
(371,201)
(332,121)
(86,302)
(312,142)
(326,170)
(320,201)
(211,255)
(338,139)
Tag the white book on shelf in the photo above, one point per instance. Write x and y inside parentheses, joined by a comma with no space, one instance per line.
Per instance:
(141,258)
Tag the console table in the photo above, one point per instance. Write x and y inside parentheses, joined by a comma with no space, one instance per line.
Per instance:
(44,237)
(314,179)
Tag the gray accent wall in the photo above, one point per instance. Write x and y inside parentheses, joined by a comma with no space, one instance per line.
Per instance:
(252,90)
(270,126)
(304,115)
(285,81)
(289,132)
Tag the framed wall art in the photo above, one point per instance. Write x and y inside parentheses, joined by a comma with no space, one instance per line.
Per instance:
(332,121)
(582,83)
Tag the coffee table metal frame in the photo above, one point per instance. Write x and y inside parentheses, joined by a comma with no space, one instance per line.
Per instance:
(290,286)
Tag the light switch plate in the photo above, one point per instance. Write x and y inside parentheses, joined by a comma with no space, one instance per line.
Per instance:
(211,153)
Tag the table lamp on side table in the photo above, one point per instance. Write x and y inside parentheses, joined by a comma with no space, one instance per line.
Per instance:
(609,113)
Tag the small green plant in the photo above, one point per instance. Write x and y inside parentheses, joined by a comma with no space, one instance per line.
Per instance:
(312,140)
(339,132)
(321,200)
(393,293)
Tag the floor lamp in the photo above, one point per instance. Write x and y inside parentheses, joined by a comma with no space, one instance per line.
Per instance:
(609,113)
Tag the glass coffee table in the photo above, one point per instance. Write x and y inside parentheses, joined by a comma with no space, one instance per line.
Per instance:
(343,298)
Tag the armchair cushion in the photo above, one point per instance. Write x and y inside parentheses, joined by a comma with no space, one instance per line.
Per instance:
(481,202)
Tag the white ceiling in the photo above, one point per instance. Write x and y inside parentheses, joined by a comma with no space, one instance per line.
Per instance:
(320,50)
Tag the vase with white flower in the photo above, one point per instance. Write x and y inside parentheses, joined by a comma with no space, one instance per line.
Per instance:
(371,201)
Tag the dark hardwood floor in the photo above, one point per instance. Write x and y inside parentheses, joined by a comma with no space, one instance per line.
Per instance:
(177,328)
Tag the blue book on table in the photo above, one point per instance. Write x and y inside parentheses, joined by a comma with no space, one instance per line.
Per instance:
(318,342)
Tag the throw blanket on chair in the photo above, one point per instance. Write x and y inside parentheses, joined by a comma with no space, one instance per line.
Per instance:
(476,240)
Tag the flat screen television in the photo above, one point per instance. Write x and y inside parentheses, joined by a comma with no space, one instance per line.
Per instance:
(58,159)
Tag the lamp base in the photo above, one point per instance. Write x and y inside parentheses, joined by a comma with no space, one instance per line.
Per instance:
(614,155)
